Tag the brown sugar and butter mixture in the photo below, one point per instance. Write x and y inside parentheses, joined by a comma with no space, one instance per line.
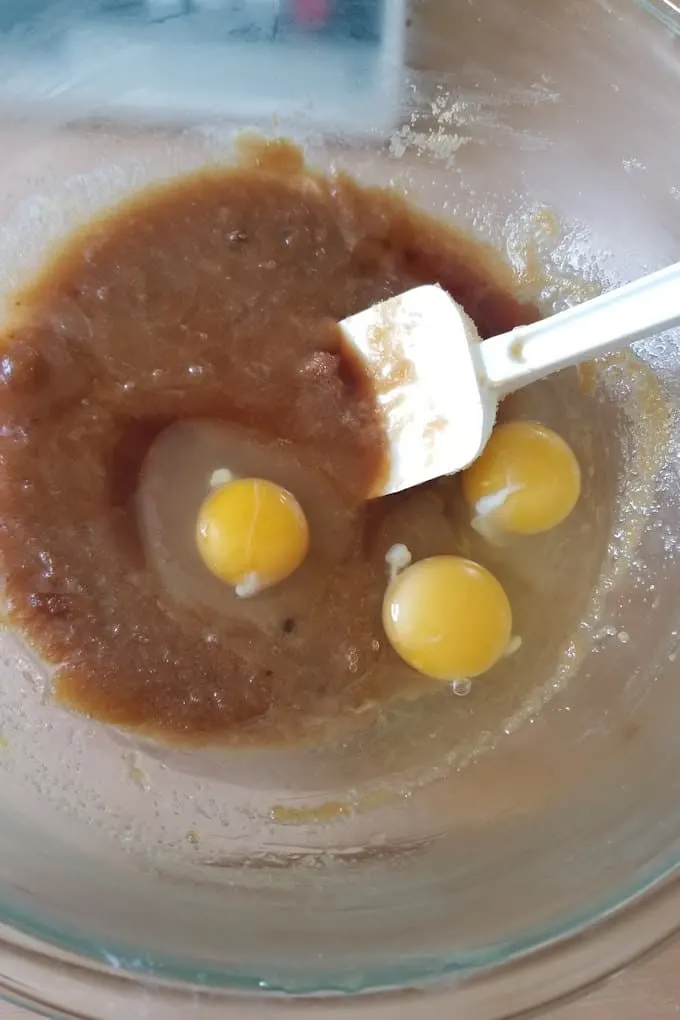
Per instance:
(191,331)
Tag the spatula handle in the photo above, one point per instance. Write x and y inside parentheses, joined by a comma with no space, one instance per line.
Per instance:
(607,323)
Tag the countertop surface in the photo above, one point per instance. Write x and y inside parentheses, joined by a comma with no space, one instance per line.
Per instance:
(650,990)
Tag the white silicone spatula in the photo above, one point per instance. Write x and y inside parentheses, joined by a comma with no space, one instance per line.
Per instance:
(438,386)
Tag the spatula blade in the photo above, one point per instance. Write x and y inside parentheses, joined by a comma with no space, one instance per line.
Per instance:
(419,350)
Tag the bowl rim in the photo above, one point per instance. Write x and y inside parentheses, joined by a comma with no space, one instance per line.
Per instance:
(64,977)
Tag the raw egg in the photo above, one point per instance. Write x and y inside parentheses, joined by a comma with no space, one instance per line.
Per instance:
(527,480)
(252,533)
(447,617)
(189,461)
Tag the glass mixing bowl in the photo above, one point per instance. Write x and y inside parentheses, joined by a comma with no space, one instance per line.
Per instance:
(495,856)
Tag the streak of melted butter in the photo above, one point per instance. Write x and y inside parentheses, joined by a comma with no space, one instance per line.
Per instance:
(332,810)
(314,814)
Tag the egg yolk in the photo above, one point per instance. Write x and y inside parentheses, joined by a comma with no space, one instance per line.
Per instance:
(447,617)
(527,479)
(252,533)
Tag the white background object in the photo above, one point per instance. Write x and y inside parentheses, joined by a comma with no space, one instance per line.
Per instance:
(206,61)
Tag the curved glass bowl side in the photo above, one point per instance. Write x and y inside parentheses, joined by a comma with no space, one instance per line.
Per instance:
(668,11)
(61,984)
